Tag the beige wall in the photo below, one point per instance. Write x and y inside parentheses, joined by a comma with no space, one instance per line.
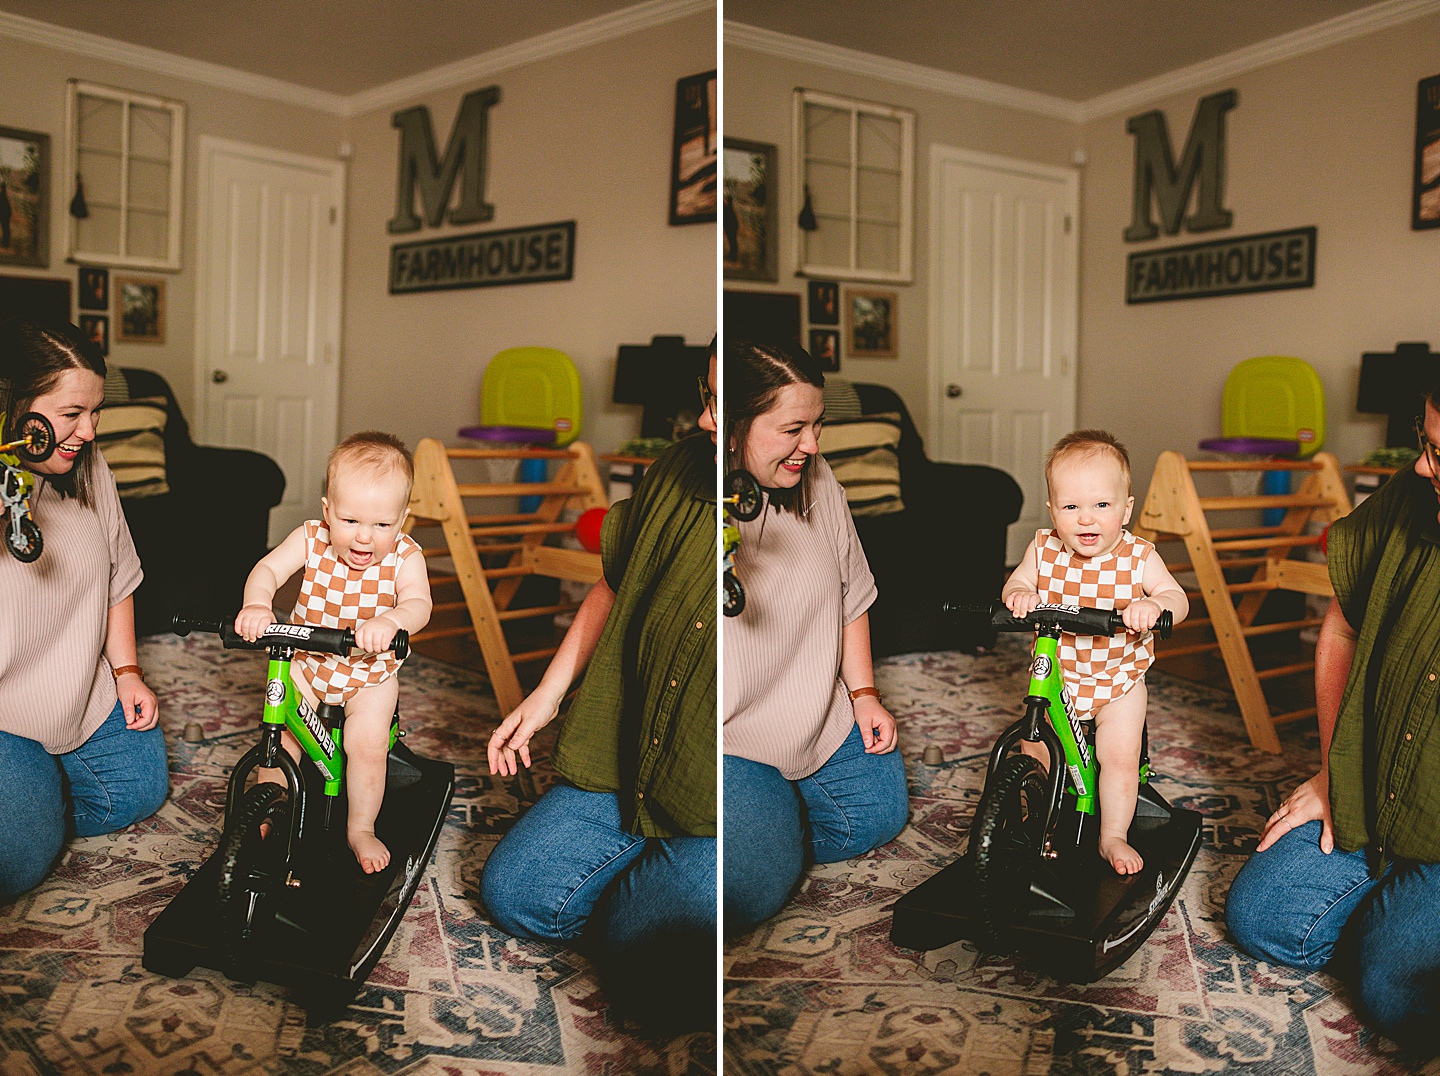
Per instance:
(32,97)
(1325,139)
(758,99)
(584,137)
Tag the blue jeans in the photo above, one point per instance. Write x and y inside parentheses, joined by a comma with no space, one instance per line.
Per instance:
(1292,903)
(642,908)
(114,779)
(773,826)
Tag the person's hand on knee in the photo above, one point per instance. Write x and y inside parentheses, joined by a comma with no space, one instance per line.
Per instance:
(1308,803)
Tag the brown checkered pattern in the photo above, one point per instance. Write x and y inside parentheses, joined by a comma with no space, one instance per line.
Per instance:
(1097,668)
(334,595)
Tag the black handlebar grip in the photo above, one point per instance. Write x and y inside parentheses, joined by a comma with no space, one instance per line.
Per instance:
(400,645)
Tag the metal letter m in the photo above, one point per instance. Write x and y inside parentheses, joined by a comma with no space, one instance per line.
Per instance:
(1155,169)
(419,164)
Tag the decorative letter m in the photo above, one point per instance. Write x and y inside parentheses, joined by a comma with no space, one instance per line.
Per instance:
(418,164)
(1155,168)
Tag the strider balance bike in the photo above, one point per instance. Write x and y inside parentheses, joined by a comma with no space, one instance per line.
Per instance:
(34,445)
(742,502)
(1032,878)
(282,898)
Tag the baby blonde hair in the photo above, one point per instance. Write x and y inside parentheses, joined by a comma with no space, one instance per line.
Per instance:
(373,451)
(1087,444)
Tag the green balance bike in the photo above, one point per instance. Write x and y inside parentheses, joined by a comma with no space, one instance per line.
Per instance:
(282,899)
(35,443)
(1032,879)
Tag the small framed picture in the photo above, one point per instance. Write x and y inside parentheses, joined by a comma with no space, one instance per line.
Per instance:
(97,328)
(1425,208)
(824,302)
(752,247)
(24,197)
(692,160)
(94,288)
(141,309)
(871,325)
(825,348)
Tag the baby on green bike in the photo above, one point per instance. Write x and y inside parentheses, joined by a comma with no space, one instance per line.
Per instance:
(1090,559)
(361,572)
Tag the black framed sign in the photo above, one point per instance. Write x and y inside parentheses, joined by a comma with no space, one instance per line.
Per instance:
(1273,261)
(693,157)
(1425,207)
(485,259)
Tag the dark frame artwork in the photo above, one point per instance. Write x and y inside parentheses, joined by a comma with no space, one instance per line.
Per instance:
(752,234)
(825,348)
(97,328)
(94,293)
(824,302)
(871,324)
(693,156)
(1425,206)
(140,304)
(24,197)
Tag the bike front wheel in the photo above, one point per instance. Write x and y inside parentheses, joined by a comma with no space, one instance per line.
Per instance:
(27,544)
(1005,846)
(252,864)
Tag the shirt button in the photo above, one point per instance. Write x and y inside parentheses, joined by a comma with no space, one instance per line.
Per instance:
(656,741)
(639,795)
(1392,795)
(673,683)
(1408,736)
(1432,678)
(699,623)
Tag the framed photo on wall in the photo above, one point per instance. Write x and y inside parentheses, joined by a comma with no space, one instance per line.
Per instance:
(751,236)
(24,197)
(140,309)
(871,324)
(97,328)
(1425,207)
(94,289)
(693,159)
(824,302)
(825,348)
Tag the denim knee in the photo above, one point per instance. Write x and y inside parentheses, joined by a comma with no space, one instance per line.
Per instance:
(507,895)
(27,866)
(755,889)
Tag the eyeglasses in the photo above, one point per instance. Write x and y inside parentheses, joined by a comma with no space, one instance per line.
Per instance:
(707,398)
(1428,448)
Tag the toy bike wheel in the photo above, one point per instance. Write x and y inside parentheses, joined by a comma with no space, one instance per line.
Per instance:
(251,863)
(27,545)
(1005,842)
(742,493)
(734,595)
(36,427)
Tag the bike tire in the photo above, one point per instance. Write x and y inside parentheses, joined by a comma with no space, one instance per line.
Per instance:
(744,491)
(29,553)
(41,434)
(734,595)
(243,851)
(1005,846)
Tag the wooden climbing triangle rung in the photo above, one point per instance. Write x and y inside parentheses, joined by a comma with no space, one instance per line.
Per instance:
(1175,511)
(439,499)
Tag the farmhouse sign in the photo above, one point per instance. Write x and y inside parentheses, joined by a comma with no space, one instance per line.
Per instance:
(1203,160)
(1269,262)
(485,259)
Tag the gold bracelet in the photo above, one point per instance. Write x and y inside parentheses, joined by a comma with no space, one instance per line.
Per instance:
(123,669)
(861,692)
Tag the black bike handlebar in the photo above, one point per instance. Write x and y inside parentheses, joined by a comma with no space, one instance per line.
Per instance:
(1074,618)
(300,636)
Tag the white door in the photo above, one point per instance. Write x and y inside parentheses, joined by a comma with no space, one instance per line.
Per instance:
(1003,298)
(268,323)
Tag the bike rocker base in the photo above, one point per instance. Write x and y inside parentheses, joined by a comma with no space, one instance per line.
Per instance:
(1081,920)
(324,937)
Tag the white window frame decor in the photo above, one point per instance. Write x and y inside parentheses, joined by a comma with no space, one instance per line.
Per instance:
(175,161)
(849,216)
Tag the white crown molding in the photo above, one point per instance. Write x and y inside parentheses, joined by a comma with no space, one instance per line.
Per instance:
(1367,20)
(542,47)
(628,20)
(803,50)
(95,47)
(1322,35)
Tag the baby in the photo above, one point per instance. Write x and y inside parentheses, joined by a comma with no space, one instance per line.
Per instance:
(361,572)
(1090,559)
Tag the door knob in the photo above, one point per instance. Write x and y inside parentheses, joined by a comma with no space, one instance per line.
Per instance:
(953,390)
(219,377)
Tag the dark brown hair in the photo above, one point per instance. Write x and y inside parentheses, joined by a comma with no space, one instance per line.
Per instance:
(374,451)
(1087,444)
(754,375)
(32,358)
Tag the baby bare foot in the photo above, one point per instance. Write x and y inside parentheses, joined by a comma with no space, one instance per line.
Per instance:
(368,849)
(1120,855)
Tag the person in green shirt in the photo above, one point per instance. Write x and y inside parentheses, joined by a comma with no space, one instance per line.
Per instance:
(1348,868)
(620,857)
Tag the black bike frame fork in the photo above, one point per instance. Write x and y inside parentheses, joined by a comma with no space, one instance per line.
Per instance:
(1035,727)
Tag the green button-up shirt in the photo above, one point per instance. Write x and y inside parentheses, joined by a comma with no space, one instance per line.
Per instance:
(643,722)
(1385,755)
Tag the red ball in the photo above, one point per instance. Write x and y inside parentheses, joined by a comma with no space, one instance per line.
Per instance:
(587,528)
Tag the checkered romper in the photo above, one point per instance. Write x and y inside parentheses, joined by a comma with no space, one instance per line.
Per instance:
(334,595)
(1097,668)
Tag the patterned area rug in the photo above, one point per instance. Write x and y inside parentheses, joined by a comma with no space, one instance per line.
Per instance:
(820,989)
(452,995)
